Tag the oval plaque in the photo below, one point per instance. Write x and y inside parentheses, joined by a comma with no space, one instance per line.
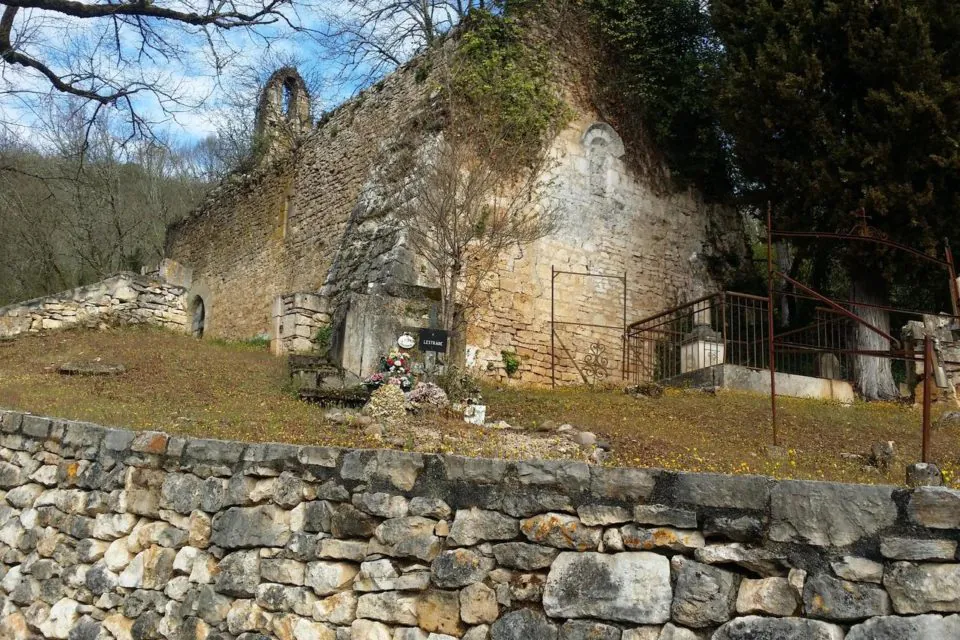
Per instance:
(406,341)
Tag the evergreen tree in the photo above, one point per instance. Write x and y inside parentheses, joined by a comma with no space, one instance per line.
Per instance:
(840,104)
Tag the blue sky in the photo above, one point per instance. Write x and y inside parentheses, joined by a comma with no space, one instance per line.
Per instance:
(189,74)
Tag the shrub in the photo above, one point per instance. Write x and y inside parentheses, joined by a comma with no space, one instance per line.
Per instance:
(323,338)
(458,385)
(511,362)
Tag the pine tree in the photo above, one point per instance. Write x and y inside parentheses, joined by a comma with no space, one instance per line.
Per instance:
(834,105)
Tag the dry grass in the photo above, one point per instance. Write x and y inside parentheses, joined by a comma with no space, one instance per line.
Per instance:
(730,432)
(176,384)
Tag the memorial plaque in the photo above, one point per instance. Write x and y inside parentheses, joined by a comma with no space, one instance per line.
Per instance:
(434,340)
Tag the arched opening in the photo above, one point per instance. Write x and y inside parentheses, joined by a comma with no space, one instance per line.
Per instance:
(288,103)
(198,315)
(284,105)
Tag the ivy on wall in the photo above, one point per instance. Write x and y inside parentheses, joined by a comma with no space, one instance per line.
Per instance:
(504,85)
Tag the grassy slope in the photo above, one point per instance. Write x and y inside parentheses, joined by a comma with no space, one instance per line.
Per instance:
(180,385)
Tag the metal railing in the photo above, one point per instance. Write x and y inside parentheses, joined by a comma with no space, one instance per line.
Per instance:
(732,328)
(725,327)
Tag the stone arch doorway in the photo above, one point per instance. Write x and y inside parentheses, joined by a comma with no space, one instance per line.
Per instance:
(198,317)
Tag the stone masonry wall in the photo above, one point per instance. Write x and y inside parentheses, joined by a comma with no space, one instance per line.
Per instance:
(323,221)
(611,223)
(110,534)
(297,317)
(279,228)
(125,298)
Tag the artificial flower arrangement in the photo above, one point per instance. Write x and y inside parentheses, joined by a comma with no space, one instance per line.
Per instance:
(394,369)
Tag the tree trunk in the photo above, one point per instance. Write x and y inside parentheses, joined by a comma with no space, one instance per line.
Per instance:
(784,256)
(458,341)
(452,321)
(873,375)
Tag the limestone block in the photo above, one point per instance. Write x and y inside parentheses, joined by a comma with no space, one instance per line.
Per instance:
(282,571)
(478,604)
(754,627)
(388,606)
(369,630)
(264,526)
(704,596)
(561,531)
(339,609)
(585,630)
(935,507)
(439,612)
(923,588)
(600,515)
(767,596)
(521,555)
(382,504)
(635,537)
(829,598)
(457,568)
(149,569)
(927,627)
(239,574)
(858,569)
(524,624)
(471,526)
(628,587)
(760,561)
(824,514)
(396,530)
(899,548)
(662,515)
(326,578)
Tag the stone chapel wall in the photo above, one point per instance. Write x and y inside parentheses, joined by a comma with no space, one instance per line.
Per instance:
(278,229)
(612,223)
(321,221)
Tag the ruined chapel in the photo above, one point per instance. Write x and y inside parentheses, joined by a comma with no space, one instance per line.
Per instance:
(304,241)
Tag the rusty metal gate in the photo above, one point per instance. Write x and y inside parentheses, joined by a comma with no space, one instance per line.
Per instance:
(594,366)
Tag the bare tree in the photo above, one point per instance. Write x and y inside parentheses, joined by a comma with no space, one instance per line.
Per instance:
(80,204)
(470,199)
(139,56)
(372,37)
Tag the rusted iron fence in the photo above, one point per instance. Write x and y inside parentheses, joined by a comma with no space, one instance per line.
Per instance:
(686,342)
(732,328)
(726,327)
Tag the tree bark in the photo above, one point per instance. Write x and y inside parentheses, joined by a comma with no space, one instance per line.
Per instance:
(784,257)
(873,375)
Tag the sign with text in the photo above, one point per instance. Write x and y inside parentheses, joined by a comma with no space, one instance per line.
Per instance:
(434,340)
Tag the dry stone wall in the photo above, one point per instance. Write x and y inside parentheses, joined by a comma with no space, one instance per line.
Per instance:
(125,298)
(110,534)
(297,317)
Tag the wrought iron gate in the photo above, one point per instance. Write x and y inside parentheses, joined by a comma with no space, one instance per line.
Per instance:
(594,366)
